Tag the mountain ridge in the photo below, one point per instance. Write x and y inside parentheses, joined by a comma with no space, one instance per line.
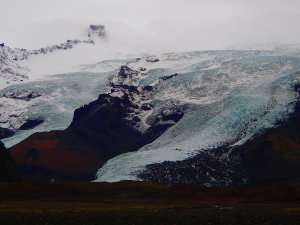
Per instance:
(12,71)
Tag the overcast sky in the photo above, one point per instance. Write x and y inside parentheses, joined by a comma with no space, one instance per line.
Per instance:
(169,24)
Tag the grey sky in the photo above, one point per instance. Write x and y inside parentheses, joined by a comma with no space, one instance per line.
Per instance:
(170,24)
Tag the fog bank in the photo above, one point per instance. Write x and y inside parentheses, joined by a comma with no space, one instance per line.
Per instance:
(167,25)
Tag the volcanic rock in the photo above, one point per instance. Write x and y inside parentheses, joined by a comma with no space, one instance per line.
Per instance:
(5,133)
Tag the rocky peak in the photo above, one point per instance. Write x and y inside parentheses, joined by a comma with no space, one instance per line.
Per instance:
(126,76)
(96,30)
(134,99)
(126,84)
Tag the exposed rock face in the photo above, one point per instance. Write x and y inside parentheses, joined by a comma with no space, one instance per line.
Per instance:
(272,157)
(96,30)
(5,133)
(113,124)
(8,169)
(29,124)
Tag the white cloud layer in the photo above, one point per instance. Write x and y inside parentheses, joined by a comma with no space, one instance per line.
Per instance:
(162,24)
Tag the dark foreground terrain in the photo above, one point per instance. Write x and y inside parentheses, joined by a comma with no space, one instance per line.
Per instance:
(131,203)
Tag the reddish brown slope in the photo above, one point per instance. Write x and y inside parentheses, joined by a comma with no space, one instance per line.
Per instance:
(44,156)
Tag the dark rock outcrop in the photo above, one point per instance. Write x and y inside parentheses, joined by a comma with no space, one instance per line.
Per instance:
(5,133)
(98,30)
(29,124)
(8,169)
(110,126)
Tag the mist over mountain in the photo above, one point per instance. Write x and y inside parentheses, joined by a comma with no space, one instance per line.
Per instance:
(169,25)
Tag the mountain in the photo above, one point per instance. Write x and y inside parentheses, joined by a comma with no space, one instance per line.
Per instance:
(18,73)
(210,118)
(111,125)
(203,118)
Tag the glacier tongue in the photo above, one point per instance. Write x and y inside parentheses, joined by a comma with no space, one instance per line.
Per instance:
(227,97)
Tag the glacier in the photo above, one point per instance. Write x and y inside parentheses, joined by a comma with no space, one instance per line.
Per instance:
(227,98)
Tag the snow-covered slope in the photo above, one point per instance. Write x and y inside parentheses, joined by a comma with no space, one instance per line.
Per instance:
(14,65)
(10,70)
(19,65)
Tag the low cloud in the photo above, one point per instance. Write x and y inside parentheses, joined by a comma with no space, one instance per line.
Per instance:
(165,25)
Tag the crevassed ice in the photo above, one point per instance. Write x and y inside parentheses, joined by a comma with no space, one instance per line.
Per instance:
(60,96)
(226,99)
